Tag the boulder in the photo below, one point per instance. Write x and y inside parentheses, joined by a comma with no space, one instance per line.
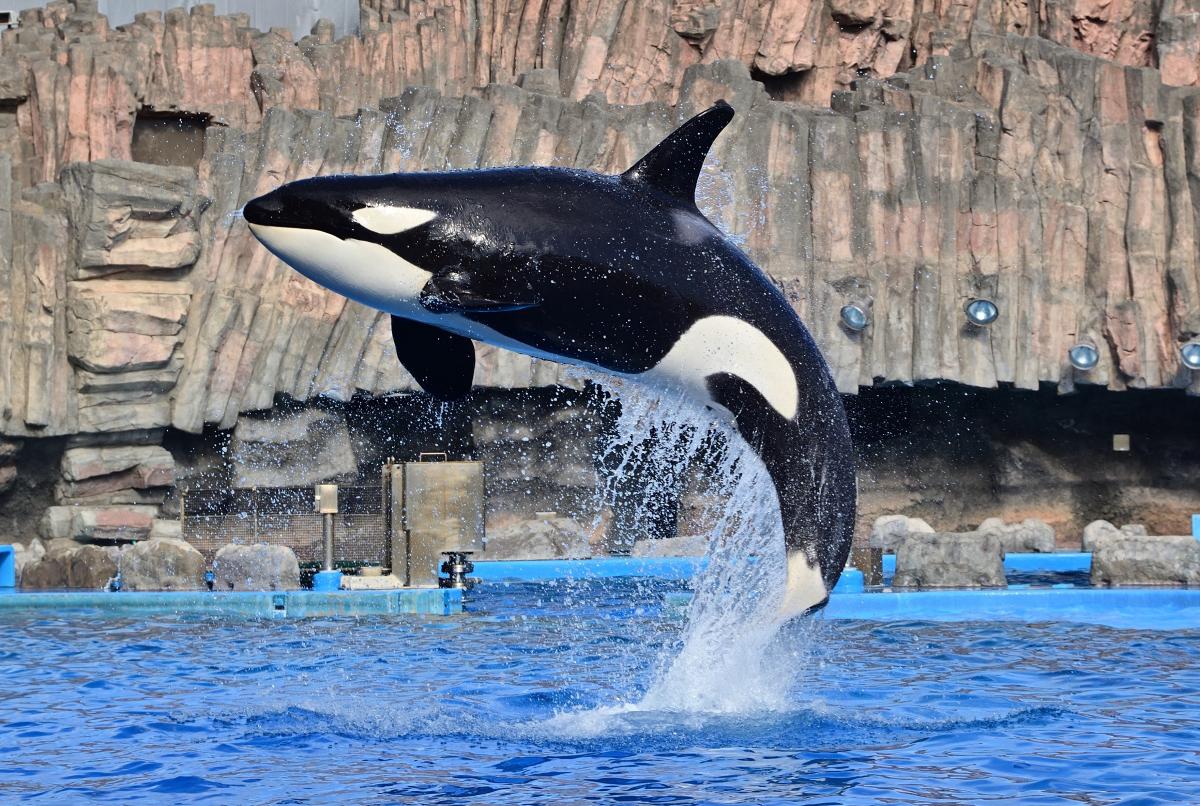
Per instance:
(1120,559)
(889,531)
(51,570)
(92,567)
(24,555)
(258,567)
(537,539)
(1030,535)
(688,546)
(950,560)
(1100,529)
(163,564)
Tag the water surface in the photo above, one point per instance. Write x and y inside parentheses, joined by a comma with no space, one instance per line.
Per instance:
(536,696)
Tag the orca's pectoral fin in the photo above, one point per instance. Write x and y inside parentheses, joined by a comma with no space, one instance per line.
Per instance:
(442,363)
(459,290)
(673,166)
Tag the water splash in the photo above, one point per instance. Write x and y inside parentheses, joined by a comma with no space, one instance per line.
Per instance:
(732,656)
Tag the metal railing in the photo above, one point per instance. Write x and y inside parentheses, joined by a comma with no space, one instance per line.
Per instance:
(212,518)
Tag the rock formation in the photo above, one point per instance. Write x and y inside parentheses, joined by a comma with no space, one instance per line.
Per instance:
(1121,558)
(162,564)
(901,156)
(257,567)
(948,560)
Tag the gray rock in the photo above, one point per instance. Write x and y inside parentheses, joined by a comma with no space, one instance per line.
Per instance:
(300,449)
(53,569)
(164,564)
(889,531)
(24,555)
(92,567)
(1101,529)
(537,539)
(1120,559)
(256,568)
(688,546)
(1030,535)
(950,560)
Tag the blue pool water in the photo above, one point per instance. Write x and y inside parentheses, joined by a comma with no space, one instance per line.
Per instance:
(532,697)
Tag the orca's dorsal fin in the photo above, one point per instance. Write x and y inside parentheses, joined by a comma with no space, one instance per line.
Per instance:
(673,166)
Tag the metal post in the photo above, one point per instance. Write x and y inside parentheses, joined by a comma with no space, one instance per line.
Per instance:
(326,504)
(327,533)
(385,513)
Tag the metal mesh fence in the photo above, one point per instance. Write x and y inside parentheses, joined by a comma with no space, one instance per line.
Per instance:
(284,516)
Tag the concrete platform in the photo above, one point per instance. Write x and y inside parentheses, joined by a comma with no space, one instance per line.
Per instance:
(254,604)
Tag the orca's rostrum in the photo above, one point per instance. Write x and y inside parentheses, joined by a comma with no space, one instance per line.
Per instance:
(619,273)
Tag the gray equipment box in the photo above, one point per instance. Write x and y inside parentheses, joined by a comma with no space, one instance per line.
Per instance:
(436,506)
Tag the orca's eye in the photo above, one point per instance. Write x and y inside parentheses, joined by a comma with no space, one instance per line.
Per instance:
(386,220)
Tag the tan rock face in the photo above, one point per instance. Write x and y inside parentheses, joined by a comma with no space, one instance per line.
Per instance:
(1033,157)
(102,474)
(129,216)
(627,52)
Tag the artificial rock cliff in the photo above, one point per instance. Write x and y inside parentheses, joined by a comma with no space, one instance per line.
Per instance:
(902,155)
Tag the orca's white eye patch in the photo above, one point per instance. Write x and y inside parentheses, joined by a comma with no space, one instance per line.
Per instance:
(392,220)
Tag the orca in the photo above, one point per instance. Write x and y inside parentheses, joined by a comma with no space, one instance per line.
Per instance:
(622,274)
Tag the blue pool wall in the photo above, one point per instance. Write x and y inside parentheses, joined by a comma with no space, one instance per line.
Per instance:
(8,567)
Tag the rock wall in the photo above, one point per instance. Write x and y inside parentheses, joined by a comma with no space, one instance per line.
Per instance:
(902,155)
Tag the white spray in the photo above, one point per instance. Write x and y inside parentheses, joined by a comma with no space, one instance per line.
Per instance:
(728,659)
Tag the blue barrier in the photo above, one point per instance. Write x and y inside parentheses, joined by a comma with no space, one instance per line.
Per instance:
(257,604)
(1196,526)
(1127,608)
(1031,562)
(601,568)
(1140,608)
(851,580)
(8,567)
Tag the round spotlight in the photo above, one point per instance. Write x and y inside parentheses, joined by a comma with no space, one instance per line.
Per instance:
(1190,353)
(855,317)
(981,312)
(1084,356)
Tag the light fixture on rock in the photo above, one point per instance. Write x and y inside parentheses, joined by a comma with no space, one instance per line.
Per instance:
(855,317)
(981,312)
(1084,356)
(1190,353)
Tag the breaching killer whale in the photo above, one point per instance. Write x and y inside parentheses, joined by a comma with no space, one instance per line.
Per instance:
(618,273)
